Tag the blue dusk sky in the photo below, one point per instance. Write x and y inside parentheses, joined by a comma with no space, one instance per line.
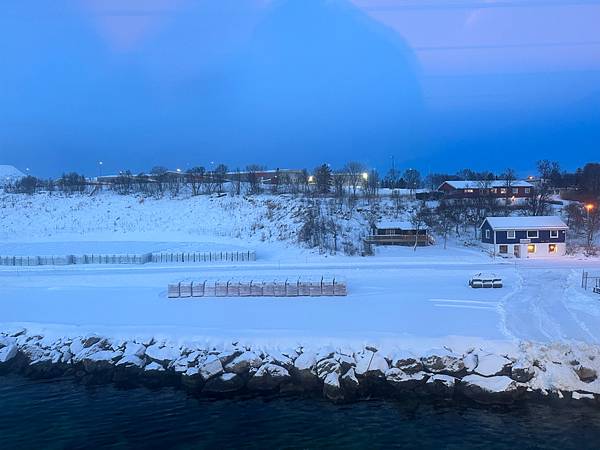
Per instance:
(437,84)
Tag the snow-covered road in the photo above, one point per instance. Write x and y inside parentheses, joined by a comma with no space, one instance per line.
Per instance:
(389,298)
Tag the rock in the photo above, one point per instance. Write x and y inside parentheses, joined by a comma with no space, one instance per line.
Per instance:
(487,390)
(135,349)
(131,360)
(490,364)
(402,380)
(346,362)
(210,367)
(227,356)
(162,355)
(350,382)
(371,364)
(76,347)
(586,374)
(280,359)
(7,353)
(470,361)
(443,361)
(268,377)
(582,396)
(441,384)
(226,382)
(304,366)
(327,366)
(305,361)
(191,379)
(91,340)
(154,367)
(244,362)
(332,389)
(522,371)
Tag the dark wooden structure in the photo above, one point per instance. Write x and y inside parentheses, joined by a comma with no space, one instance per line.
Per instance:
(399,233)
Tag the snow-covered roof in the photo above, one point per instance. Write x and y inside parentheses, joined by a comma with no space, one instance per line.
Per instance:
(526,223)
(9,174)
(398,224)
(472,184)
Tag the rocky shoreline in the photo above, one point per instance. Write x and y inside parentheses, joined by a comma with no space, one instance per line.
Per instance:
(564,372)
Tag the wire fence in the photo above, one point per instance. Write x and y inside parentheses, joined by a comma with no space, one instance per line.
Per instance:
(144,258)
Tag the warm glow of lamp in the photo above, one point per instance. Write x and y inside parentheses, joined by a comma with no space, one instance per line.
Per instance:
(311,179)
(589,207)
(365,176)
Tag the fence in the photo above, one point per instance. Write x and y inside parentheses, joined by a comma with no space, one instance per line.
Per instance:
(592,282)
(144,258)
(323,287)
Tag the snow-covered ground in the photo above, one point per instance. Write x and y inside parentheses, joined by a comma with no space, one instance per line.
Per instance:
(418,298)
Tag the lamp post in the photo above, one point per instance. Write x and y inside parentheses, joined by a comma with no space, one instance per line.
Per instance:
(589,208)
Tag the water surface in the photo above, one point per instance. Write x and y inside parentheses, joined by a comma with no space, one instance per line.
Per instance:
(61,414)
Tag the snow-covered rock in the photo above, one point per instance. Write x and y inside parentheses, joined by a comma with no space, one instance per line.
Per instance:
(131,360)
(371,364)
(332,388)
(244,362)
(162,354)
(490,364)
(226,382)
(268,377)
(210,367)
(7,353)
(400,379)
(498,389)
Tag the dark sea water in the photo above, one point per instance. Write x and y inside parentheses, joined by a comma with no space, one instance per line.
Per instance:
(61,414)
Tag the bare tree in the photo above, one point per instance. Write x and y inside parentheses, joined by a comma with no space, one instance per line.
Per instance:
(254,180)
(194,177)
(419,217)
(413,179)
(354,172)
(509,178)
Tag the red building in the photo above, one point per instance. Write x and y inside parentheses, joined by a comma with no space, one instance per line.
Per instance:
(493,188)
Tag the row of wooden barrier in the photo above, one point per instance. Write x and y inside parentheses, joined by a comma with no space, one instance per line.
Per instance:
(278,288)
(144,258)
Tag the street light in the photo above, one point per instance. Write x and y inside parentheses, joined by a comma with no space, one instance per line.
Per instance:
(589,208)
(365,176)
(100,164)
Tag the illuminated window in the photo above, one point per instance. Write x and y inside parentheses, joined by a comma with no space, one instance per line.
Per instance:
(532,234)
(503,190)
(469,191)
(554,234)
(503,249)
(510,234)
(552,248)
(531,248)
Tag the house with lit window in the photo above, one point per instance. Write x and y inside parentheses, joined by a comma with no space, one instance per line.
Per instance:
(525,237)
(512,189)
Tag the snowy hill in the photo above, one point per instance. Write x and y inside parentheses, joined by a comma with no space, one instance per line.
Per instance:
(8,174)
(243,221)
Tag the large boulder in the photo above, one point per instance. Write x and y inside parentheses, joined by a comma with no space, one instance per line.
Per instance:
(7,353)
(401,380)
(370,364)
(268,377)
(162,354)
(440,384)
(224,383)
(522,371)
(490,364)
(444,362)
(244,362)
(210,367)
(489,390)
(586,374)
(332,388)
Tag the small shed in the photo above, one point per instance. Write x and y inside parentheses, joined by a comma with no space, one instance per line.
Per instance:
(393,232)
